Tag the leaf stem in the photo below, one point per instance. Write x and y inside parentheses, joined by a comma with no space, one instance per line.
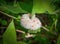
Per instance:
(15,1)
(45,28)
(8,15)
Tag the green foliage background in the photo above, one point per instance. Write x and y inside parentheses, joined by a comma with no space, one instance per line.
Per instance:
(48,12)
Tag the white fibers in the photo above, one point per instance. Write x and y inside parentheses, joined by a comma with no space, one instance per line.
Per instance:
(30,23)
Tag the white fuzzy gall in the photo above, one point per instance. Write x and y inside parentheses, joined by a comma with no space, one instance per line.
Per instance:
(30,23)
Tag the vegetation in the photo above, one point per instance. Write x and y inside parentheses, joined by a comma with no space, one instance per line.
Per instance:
(11,31)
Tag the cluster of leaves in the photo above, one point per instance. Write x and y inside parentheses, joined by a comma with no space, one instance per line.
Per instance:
(47,11)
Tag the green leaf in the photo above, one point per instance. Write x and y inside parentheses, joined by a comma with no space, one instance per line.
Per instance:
(27,6)
(41,6)
(9,37)
(12,9)
(58,40)
(19,17)
(4,22)
(34,31)
(41,39)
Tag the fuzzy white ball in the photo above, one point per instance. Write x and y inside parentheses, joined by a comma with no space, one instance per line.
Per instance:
(30,23)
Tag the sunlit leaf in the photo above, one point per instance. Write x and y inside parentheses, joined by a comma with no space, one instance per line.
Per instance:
(9,37)
(41,6)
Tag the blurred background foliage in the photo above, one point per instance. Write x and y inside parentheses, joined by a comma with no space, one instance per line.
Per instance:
(48,11)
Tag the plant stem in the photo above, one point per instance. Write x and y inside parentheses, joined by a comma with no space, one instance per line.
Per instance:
(15,1)
(54,24)
(45,28)
(48,30)
(8,15)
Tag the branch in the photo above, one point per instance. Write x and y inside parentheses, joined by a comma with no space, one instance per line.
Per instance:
(45,28)
(8,15)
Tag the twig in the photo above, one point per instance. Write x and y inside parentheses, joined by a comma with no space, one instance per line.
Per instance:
(20,31)
(55,12)
(26,36)
(8,15)
(45,28)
